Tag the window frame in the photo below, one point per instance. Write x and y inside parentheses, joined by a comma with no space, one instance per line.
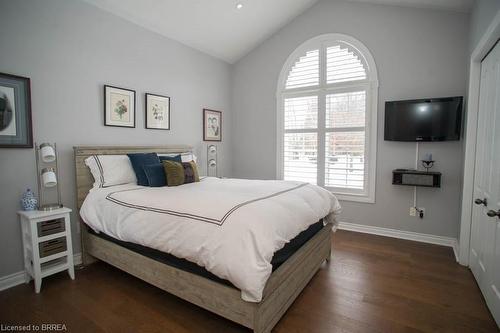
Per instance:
(370,85)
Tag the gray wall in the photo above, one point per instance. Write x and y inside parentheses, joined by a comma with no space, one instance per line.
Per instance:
(419,53)
(482,15)
(70,49)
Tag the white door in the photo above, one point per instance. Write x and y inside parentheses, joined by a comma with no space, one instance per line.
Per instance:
(485,235)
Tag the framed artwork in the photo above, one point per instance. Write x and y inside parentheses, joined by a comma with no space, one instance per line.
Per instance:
(15,112)
(212,125)
(119,107)
(157,112)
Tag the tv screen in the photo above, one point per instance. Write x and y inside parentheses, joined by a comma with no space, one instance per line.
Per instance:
(438,119)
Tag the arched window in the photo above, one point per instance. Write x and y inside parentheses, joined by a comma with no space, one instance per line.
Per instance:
(327,117)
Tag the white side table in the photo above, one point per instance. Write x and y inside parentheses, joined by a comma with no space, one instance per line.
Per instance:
(47,244)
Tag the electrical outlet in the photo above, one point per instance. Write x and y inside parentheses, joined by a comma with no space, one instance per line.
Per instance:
(413,211)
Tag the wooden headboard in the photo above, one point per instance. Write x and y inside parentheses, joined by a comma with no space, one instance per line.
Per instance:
(84,179)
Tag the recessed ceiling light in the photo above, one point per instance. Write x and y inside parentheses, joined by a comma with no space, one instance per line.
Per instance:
(239,6)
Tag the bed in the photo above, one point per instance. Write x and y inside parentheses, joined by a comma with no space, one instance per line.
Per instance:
(257,308)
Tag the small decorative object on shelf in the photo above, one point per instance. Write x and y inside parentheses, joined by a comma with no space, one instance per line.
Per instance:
(46,157)
(428,162)
(47,244)
(29,201)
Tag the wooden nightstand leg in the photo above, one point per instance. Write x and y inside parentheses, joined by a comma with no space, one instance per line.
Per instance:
(71,272)
(27,277)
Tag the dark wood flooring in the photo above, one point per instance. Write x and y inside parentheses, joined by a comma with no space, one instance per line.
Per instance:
(372,284)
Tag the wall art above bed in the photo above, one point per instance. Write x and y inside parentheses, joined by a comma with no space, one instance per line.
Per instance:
(119,107)
(157,112)
(212,125)
(15,112)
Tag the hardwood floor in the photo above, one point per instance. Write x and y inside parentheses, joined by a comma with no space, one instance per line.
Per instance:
(372,284)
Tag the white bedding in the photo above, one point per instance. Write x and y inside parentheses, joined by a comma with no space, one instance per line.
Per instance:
(232,227)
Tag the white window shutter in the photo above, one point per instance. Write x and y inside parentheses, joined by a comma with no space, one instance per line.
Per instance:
(343,65)
(332,108)
(301,157)
(305,71)
(301,112)
(345,140)
(345,160)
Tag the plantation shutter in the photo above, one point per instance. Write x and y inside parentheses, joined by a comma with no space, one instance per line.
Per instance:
(345,140)
(301,114)
(324,104)
(301,146)
(305,72)
(343,65)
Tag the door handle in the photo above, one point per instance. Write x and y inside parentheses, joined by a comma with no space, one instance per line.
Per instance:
(492,213)
(481,202)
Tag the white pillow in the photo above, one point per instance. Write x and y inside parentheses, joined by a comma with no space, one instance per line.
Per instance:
(110,170)
(185,157)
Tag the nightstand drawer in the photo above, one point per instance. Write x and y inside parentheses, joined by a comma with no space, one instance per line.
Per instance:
(50,227)
(52,246)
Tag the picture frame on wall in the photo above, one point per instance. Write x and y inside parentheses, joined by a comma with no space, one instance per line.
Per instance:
(157,112)
(16,129)
(212,125)
(119,107)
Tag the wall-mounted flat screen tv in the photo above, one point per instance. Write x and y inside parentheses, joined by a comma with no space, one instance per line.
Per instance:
(436,119)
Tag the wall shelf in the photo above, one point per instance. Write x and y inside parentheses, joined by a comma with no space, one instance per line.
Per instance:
(416,178)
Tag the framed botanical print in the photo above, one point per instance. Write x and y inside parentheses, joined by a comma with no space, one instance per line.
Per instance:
(119,107)
(157,112)
(15,112)
(212,125)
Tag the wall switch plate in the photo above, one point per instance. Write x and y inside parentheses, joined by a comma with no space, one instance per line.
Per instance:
(413,211)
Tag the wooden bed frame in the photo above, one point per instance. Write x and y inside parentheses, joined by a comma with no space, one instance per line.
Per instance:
(283,286)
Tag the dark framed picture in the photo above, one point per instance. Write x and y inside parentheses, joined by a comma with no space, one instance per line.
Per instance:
(119,107)
(212,125)
(15,112)
(157,112)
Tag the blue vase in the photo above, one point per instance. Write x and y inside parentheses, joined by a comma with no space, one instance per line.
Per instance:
(29,201)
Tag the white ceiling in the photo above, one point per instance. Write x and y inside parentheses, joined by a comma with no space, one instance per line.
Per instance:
(217,28)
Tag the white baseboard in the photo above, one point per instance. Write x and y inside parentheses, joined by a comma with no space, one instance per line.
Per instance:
(11,280)
(408,235)
(15,279)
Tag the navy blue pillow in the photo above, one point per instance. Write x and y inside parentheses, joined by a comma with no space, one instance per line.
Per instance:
(176,158)
(139,160)
(155,174)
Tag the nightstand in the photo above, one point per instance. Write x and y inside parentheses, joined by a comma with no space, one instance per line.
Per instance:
(47,244)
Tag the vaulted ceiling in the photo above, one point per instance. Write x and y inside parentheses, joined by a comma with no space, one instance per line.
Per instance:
(224,30)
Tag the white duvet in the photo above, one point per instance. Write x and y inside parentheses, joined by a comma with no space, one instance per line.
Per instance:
(232,227)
